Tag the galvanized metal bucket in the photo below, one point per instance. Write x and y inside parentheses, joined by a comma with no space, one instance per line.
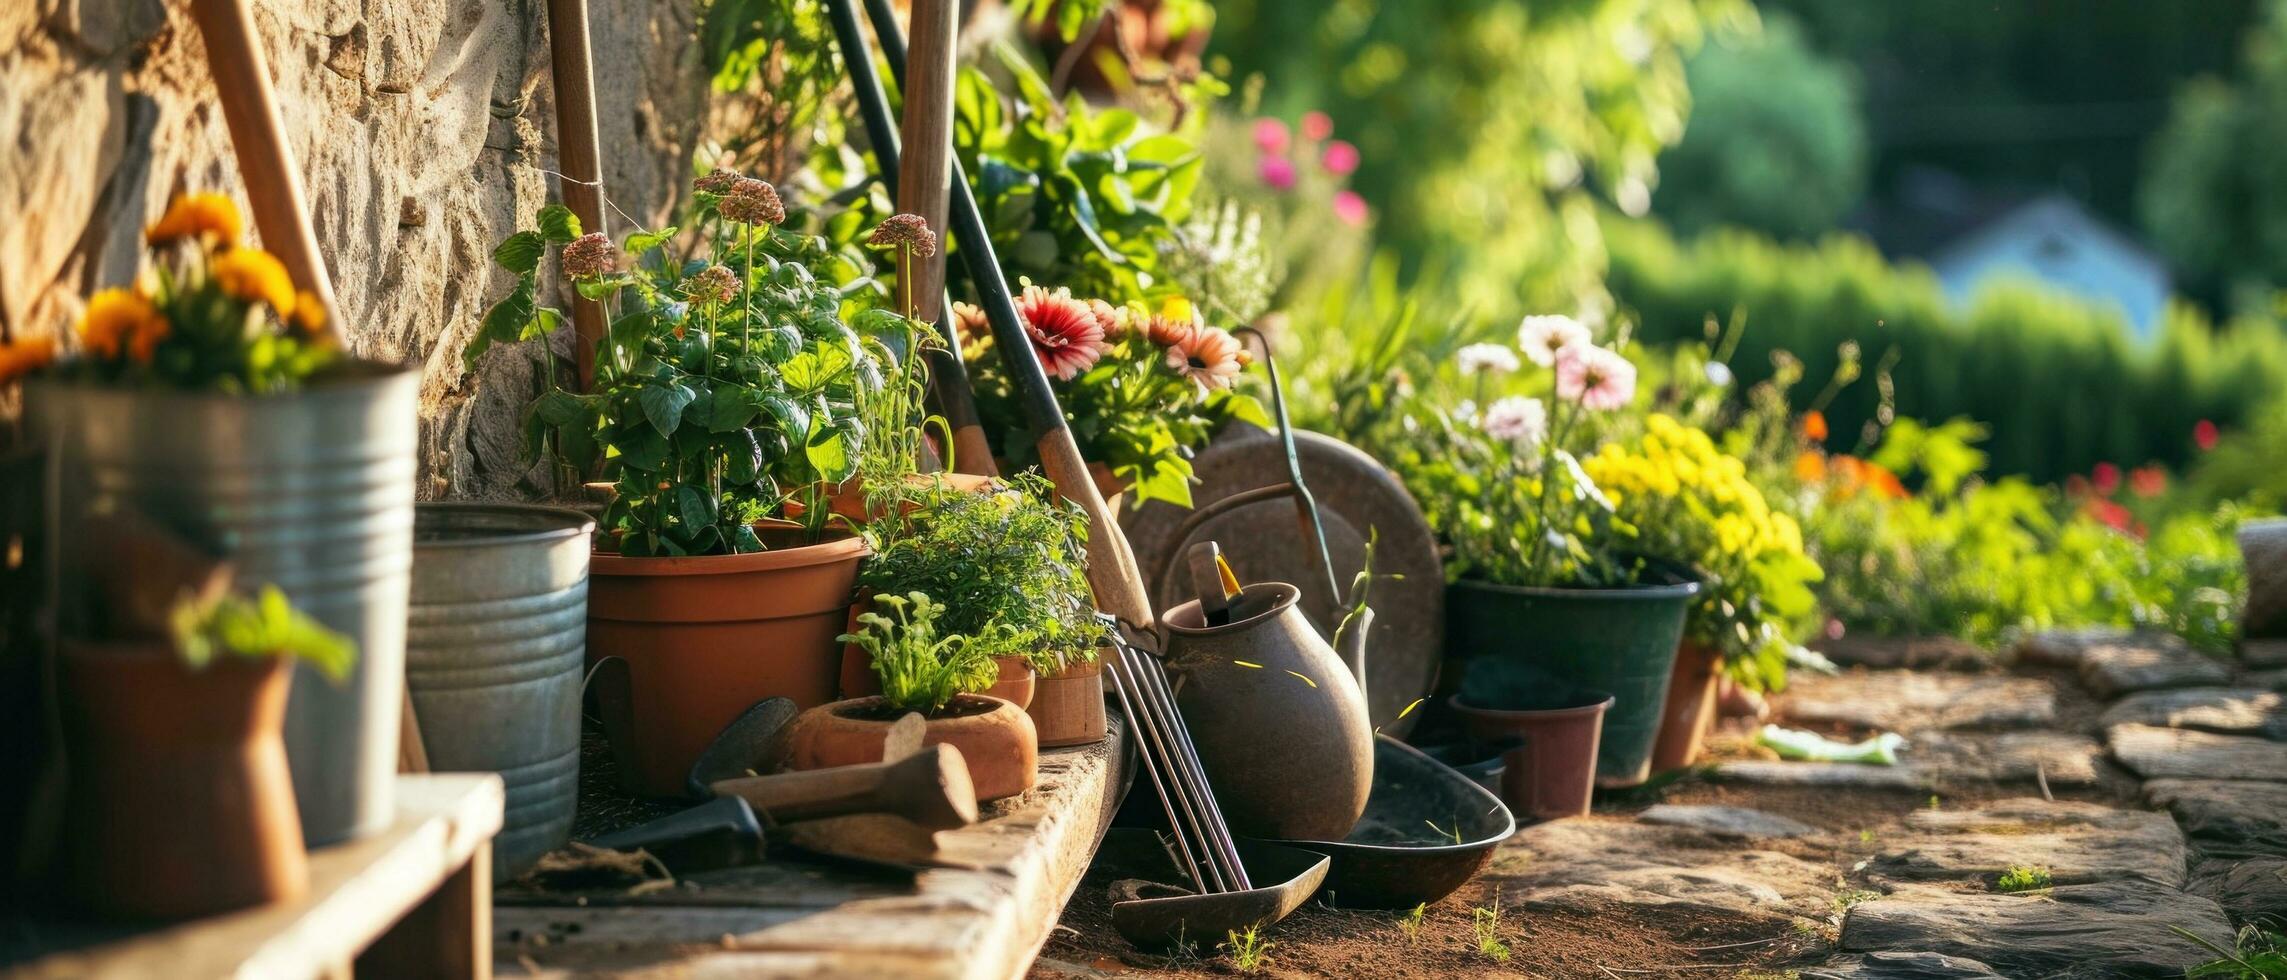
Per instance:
(311,491)
(493,656)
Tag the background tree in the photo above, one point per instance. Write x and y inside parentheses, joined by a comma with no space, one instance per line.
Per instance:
(2215,197)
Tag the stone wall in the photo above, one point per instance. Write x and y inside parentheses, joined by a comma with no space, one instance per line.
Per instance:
(422,127)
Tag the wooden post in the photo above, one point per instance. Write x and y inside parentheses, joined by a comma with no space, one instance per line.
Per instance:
(273,183)
(577,154)
(448,936)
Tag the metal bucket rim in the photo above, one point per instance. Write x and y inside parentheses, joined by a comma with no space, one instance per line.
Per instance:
(571,524)
(357,374)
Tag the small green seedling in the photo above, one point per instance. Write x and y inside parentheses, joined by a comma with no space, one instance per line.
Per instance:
(1455,833)
(1933,801)
(1488,925)
(1411,923)
(2022,878)
(2262,955)
(1249,950)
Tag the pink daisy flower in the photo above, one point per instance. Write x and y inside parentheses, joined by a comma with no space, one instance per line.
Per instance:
(1517,420)
(1595,377)
(1066,335)
(1270,135)
(1208,357)
(1351,208)
(1339,158)
(1278,172)
(1317,125)
(1542,338)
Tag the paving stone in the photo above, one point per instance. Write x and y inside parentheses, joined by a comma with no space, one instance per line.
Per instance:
(1909,702)
(1838,774)
(2149,662)
(2064,648)
(1887,652)
(2104,929)
(2263,652)
(1726,821)
(2077,842)
(1955,758)
(2269,680)
(2236,817)
(2155,753)
(2226,710)
(1592,864)
(1900,966)
(2250,890)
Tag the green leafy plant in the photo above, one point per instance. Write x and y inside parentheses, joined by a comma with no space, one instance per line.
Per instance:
(2261,955)
(1005,568)
(728,383)
(921,665)
(266,626)
(1486,922)
(1250,952)
(2022,878)
(1411,922)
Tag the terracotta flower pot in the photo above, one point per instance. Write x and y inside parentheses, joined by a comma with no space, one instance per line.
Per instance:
(1690,711)
(1016,684)
(1553,774)
(995,738)
(1068,708)
(706,637)
(181,803)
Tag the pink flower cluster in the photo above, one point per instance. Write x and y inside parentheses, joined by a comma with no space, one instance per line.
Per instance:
(1278,151)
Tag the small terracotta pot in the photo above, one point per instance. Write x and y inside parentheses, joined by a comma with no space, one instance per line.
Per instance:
(1069,707)
(1553,774)
(1016,682)
(180,803)
(706,637)
(995,738)
(1689,712)
(848,499)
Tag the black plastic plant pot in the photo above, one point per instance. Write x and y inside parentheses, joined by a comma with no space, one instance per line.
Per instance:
(1618,640)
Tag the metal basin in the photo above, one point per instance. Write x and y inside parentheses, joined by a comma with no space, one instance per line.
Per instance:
(1394,859)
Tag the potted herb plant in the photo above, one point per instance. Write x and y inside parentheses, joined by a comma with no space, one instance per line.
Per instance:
(1009,571)
(212,399)
(1693,504)
(728,388)
(180,803)
(1541,568)
(923,667)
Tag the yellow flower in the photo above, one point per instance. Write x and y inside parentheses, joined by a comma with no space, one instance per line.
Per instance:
(256,276)
(114,317)
(196,216)
(25,356)
(309,314)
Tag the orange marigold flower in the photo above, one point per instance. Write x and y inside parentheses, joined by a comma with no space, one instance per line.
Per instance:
(1813,425)
(196,216)
(113,317)
(25,356)
(1810,467)
(309,314)
(1883,482)
(256,276)
(148,332)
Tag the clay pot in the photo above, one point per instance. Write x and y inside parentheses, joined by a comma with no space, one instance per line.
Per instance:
(1277,717)
(1069,706)
(706,637)
(996,739)
(1690,710)
(1553,773)
(180,800)
(2263,548)
(1016,683)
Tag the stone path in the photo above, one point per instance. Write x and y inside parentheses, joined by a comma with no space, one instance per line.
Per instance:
(2146,783)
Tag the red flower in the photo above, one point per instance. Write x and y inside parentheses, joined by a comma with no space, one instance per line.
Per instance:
(2148,481)
(2113,515)
(1066,334)
(2204,435)
(2106,479)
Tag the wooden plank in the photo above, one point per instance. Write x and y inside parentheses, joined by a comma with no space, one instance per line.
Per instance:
(357,891)
(799,919)
(448,937)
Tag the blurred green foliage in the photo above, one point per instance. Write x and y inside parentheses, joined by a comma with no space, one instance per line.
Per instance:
(1775,142)
(1489,129)
(2058,381)
(2215,198)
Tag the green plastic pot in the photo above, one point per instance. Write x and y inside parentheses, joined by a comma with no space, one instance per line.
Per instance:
(1617,640)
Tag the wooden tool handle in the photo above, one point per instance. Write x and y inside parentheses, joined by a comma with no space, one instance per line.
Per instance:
(925,172)
(273,183)
(573,75)
(1112,572)
(931,788)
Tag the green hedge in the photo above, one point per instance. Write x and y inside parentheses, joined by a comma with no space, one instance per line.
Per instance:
(2060,381)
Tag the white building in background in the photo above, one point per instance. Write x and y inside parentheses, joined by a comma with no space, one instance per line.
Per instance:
(2056,241)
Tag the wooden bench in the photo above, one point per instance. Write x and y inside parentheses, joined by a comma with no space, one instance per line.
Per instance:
(412,901)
